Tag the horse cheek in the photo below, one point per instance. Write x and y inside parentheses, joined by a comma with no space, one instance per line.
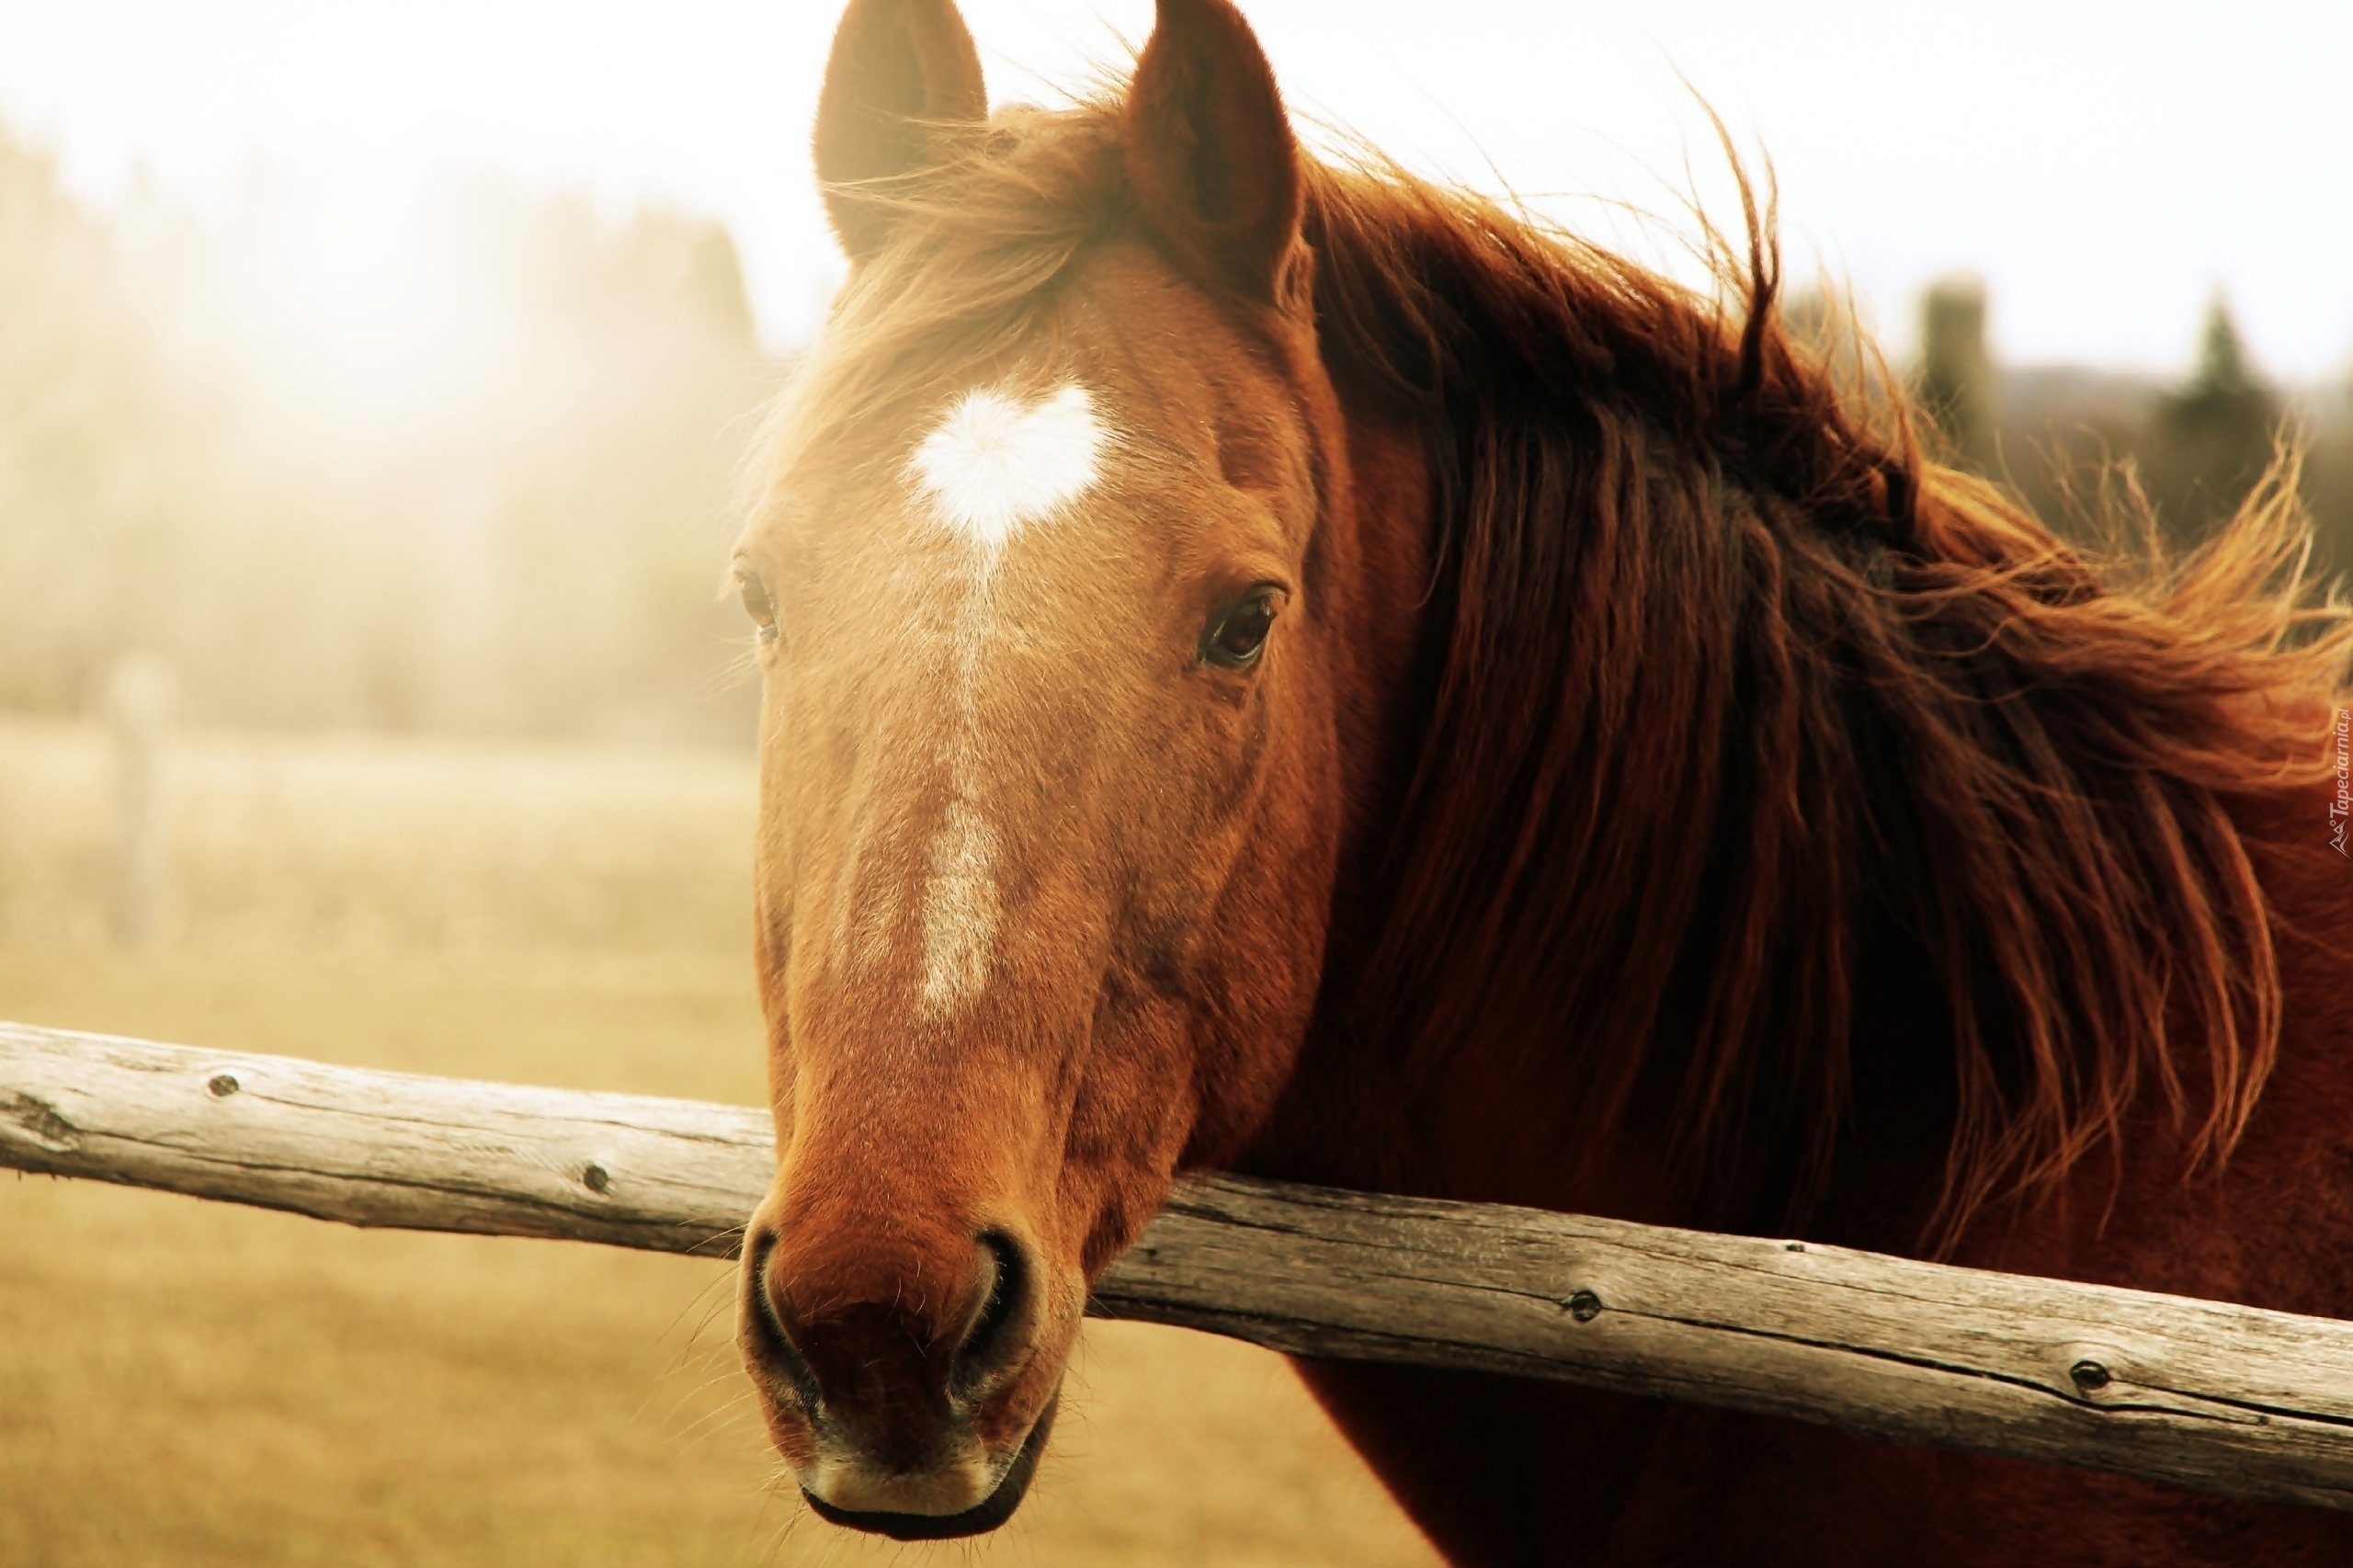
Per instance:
(1271,928)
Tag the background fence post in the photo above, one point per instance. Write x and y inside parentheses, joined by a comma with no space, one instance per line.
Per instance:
(1957,370)
(139,707)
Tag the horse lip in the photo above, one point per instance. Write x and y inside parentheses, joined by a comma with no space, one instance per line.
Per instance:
(978,1519)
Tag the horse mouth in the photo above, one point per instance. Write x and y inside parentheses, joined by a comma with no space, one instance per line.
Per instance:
(979,1519)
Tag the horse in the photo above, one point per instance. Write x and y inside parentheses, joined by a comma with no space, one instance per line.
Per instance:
(1273,663)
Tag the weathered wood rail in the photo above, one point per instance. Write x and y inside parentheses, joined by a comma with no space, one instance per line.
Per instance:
(2227,1399)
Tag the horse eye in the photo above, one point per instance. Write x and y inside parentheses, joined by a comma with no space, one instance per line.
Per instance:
(1236,635)
(757,603)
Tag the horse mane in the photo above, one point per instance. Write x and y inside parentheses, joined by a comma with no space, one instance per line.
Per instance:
(1739,704)
(1731,702)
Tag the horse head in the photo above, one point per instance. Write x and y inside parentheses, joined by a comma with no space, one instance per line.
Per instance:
(1061,612)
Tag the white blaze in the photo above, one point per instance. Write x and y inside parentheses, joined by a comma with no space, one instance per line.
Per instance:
(991,467)
(994,464)
(960,905)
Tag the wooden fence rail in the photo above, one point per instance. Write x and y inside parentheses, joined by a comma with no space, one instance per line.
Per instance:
(2228,1399)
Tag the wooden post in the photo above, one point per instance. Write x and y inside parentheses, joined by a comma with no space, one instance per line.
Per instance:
(1957,370)
(139,704)
(2226,1398)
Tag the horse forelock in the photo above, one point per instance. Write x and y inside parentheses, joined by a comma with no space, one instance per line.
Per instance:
(965,287)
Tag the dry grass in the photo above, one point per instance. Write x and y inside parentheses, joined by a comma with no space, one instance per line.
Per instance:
(188,1383)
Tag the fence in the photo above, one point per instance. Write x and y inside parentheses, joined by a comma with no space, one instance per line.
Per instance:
(2228,1399)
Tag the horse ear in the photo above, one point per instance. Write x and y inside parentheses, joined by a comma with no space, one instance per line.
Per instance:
(1209,151)
(902,73)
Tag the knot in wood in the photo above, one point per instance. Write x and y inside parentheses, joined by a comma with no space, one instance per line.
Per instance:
(2089,1376)
(223,1085)
(1585,1306)
(597,1179)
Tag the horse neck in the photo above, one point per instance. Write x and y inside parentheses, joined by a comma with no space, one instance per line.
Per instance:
(1357,1112)
(1364,1106)
(1499,1123)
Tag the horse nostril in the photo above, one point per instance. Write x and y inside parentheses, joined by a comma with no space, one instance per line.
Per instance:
(994,1339)
(764,1328)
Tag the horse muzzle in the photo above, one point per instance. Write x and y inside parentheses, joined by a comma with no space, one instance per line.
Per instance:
(906,1412)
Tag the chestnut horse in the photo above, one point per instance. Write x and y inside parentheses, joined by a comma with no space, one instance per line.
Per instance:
(1285,666)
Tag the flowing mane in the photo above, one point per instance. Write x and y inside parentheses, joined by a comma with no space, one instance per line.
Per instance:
(1733,703)
(1687,579)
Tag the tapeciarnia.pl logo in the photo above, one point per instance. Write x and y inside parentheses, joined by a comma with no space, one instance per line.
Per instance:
(2341,808)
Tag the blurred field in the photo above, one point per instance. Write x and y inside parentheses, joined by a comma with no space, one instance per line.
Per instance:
(186,1383)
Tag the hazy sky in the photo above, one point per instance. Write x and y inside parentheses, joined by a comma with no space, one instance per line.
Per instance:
(2104,165)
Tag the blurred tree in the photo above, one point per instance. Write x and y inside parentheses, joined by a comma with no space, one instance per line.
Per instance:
(1957,374)
(2211,438)
(494,492)
(85,548)
(2327,418)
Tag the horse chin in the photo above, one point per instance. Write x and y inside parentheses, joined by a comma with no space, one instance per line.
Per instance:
(978,1519)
